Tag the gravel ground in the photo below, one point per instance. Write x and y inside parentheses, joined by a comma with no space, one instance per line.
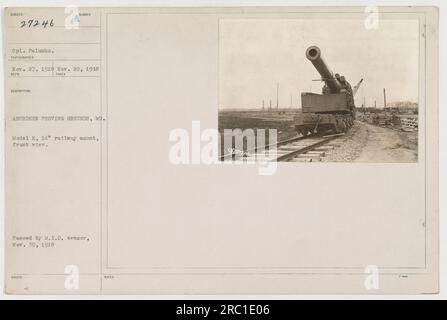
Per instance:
(368,143)
(351,145)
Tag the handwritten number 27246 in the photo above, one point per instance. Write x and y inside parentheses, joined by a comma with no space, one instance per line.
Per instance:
(32,23)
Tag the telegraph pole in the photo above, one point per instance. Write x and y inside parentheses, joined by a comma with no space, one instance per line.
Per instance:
(384,98)
(364,105)
(277,96)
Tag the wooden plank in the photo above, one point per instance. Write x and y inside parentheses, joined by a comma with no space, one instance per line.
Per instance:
(325,148)
(320,153)
(289,148)
(300,160)
(309,156)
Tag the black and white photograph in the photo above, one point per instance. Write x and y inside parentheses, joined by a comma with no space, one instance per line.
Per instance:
(223,151)
(335,90)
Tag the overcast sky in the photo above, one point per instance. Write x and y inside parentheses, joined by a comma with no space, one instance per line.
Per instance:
(255,54)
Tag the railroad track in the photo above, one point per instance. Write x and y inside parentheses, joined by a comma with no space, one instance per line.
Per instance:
(299,149)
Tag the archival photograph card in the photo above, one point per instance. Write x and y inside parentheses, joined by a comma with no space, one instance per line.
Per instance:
(242,150)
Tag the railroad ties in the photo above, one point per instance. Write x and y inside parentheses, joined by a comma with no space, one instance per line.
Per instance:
(313,155)
(300,149)
(311,149)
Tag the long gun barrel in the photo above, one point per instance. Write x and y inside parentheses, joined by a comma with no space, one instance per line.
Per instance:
(313,54)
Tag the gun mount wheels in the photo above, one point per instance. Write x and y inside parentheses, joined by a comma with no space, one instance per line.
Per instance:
(309,123)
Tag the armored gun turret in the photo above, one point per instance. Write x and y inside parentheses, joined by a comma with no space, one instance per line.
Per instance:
(332,111)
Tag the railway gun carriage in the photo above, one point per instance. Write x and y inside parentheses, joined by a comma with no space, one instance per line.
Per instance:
(334,109)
